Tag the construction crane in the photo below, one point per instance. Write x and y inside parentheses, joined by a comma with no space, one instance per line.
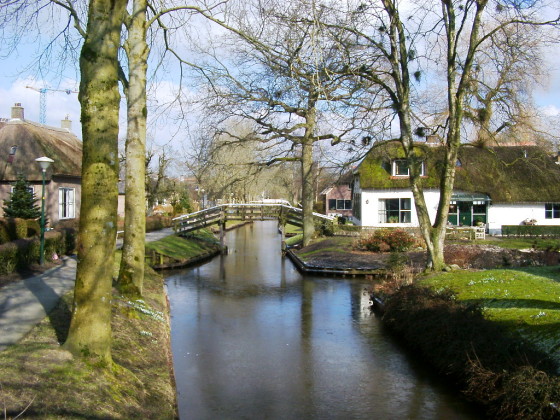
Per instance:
(43,100)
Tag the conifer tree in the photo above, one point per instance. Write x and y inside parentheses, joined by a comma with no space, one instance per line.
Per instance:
(22,201)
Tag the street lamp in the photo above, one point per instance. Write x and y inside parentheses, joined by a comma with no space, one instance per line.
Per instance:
(44,162)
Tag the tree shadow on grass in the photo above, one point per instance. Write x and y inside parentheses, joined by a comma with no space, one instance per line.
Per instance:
(501,303)
(550,272)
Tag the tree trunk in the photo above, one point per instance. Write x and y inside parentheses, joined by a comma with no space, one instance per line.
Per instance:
(131,275)
(307,191)
(90,327)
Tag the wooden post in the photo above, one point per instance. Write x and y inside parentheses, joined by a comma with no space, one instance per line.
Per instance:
(222,224)
(282,231)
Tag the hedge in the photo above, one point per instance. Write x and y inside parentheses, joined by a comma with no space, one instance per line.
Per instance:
(530,230)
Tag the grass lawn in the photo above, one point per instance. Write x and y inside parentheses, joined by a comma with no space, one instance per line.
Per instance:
(526,300)
(520,243)
(179,248)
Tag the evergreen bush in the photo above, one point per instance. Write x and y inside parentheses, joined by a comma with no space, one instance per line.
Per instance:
(21,203)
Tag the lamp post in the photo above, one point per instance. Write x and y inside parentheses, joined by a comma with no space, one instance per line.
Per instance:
(44,162)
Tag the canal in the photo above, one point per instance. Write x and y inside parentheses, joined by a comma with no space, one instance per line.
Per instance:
(252,338)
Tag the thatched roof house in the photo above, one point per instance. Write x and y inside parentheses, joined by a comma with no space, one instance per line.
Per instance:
(523,180)
(21,142)
(508,174)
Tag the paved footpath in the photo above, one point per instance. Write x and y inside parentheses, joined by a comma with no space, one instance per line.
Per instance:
(24,303)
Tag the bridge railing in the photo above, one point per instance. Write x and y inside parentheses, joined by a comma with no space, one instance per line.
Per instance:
(222,213)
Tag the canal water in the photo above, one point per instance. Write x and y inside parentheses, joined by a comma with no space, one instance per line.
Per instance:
(252,338)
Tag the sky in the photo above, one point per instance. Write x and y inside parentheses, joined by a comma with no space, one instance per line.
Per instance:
(16,74)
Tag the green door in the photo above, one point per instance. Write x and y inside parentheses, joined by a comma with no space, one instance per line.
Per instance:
(465,213)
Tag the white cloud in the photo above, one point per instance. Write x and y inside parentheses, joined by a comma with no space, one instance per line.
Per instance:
(58,104)
(550,110)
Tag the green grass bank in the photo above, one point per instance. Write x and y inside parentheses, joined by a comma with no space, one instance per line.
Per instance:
(44,381)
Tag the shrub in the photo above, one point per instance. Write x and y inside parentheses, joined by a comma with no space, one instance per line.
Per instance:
(20,228)
(27,252)
(8,258)
(33,228)
(54,244)
(398,240)
(372,242)
(382,240)
(157,222)
(4,235)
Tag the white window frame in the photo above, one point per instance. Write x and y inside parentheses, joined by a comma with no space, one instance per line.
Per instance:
(404,211)
(66,203)
(552,210)
(395,166)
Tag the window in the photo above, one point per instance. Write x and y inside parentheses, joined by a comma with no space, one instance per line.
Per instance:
(552,211)
(335,204)
(344,204)
(29,188)
(66,203)
(400,168)
(395,210)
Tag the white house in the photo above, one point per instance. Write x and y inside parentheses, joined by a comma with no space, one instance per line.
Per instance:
(504,185)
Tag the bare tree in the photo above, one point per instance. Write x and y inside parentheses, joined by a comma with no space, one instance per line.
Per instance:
(281,74)
(388,37)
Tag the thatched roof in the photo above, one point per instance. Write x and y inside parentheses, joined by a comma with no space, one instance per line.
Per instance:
(508,174)
(33,141)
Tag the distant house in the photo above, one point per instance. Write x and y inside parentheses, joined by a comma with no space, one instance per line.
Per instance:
(21,142)
(506,185)
(338,200)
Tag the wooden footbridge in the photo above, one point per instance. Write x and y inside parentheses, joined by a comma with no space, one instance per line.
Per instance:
(219,215)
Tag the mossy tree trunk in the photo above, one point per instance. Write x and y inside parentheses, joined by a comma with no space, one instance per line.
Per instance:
(307,194)
(90,327)
(131,275)
(307,163)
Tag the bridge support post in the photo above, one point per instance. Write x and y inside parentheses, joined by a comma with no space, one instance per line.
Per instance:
(282,231)
(222,224)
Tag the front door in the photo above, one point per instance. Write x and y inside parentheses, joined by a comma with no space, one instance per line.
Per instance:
(465,213)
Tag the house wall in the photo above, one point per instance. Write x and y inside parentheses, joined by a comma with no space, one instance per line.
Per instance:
(51,197)
(338,192)
(515,214)
(498,214)
(370,207)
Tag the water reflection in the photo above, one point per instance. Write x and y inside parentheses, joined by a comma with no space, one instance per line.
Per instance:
(252,338)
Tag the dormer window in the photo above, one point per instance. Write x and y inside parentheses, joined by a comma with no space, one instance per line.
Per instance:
(400,168)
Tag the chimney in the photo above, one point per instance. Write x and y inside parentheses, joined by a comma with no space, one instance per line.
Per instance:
(66,123)
(17,112)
